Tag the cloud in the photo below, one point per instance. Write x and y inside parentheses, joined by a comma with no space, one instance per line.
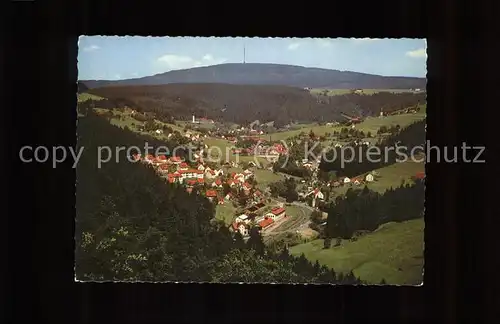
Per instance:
(418,53)
(179,62)
(322,42)
(91,48)
(293,46)
(117,76)
(134,74)
(364,40)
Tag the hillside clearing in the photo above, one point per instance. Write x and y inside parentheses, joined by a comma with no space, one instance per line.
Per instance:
(265,177)
(87,96)
(393,252)
(389,176)
(338,92)
(225,212)
(373,124)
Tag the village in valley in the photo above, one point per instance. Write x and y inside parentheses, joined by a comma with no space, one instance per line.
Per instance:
(259,172)
(238,180)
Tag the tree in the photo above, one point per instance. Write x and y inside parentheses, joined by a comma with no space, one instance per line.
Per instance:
(239,243)
(327,243)
(255,241)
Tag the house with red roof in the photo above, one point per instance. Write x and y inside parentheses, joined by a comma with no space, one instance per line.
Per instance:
(317,195)
(211,194)
(221,201)
(189,189)
(217,183)
(183,166)
(233,183)
(162,159)
(246,188)
(247,174)
(276,213)
(149,158)
(209,173)
(176,160)
(420,175)
(266,222)
(239,176)
(163,168)
(240,227)
(191,182)
(357,181)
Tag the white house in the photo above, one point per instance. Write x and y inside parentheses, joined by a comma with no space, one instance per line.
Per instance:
(276,213)
(369,177)
(239,176)
(318,195)
(201,167)
(247,174)
(241,227)
(347,180)
(159,131)
(209,174)
(243,218)
(217,183)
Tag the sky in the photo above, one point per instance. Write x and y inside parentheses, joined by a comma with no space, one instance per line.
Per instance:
(125,57)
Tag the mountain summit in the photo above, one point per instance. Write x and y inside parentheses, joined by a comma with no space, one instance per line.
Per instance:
(270,74)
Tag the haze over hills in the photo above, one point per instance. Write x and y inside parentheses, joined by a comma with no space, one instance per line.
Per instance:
(270,74)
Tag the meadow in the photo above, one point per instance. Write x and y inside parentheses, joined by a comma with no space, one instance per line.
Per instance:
(87,96)
(339,92)
(389,177)
(394,252)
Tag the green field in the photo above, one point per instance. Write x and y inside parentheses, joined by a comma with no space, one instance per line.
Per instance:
(337,92)
(87,96)
(393,252)
(265,177)
(372,124)
(317,129)
(225,212)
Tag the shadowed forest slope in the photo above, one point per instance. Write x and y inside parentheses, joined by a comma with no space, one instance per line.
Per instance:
(245,103)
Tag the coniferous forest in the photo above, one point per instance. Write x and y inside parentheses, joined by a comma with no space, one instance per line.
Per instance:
(131,225)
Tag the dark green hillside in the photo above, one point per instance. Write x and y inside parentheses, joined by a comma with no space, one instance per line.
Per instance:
(244,104)
(409,137)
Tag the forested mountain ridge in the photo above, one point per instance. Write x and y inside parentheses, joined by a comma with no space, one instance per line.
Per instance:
(270,74)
